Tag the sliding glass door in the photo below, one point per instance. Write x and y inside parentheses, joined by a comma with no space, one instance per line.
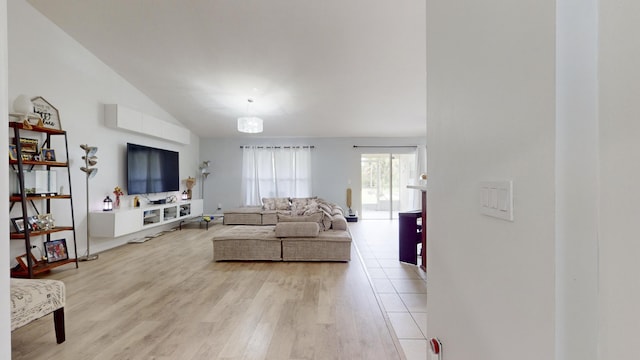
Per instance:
(384,184)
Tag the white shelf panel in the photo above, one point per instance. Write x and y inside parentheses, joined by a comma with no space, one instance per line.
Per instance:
(122,222)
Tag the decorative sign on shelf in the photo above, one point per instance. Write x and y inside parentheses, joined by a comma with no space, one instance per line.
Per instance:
(48,113)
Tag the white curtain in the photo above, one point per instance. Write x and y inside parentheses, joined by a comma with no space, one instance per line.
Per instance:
(275,172)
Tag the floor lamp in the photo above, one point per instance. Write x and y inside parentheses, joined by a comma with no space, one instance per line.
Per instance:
(90,159)
(204,170)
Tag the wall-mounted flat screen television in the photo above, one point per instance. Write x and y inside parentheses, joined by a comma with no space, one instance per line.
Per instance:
(151,170)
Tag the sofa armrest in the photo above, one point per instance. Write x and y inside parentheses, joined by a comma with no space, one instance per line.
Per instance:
(338,222)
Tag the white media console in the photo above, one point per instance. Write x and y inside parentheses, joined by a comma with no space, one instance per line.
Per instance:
(121,222)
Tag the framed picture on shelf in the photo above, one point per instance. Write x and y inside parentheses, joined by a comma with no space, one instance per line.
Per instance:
(13,152)
(48,155)
(22,261)
(56,250)
(48,113)
(29,146)
(19,224)
(33,222)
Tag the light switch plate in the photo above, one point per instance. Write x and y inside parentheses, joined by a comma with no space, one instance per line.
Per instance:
(496,199)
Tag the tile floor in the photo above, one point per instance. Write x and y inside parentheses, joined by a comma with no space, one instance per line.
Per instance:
(401,287)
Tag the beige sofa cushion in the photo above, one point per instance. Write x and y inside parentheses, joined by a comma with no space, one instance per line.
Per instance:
(269,217)
(297,229)
(315,217)
(276,204)
(300,205)
(243,216)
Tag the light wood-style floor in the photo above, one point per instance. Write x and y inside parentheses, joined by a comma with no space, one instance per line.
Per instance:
(166,299)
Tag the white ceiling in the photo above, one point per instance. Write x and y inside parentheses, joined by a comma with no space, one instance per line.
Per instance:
(318,68)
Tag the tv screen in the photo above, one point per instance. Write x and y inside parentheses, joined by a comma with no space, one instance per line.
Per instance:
(151,170)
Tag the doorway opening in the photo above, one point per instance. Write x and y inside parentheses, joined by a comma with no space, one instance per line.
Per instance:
(384,184)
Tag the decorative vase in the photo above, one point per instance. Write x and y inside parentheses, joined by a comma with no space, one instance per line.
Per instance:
(22,104)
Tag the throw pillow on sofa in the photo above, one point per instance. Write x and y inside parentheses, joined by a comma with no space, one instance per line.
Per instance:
(300,205)
(268,203)
(275,204)
(324,207)
(326,220)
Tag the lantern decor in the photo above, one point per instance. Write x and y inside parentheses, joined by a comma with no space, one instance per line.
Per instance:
(185,196)
(90,161)
(107,204)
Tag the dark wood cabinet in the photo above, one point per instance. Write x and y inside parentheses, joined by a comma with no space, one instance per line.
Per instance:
(423,216)
(409,235)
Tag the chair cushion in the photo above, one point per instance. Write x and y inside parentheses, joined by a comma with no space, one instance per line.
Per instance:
(32,299)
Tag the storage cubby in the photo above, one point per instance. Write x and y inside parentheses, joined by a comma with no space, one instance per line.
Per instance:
(185,210)
(170,213)
(151,217)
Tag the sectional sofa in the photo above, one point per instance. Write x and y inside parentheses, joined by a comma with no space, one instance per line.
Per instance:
(284,229)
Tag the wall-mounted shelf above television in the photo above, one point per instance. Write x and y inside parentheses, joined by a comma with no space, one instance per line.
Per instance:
(120,117)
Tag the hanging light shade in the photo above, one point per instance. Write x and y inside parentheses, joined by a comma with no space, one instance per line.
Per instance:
(249,124)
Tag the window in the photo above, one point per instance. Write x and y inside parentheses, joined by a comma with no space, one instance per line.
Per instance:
(275,172)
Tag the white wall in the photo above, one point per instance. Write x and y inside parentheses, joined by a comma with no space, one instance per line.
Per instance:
(491,115)
(335,163)
(5,317)
(45,61)
(619,262)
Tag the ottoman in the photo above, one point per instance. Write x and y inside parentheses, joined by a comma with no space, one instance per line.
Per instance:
(246,242)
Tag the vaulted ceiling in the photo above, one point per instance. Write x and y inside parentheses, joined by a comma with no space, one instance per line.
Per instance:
(321,68)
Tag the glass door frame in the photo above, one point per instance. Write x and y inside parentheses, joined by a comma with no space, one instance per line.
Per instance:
(393,157)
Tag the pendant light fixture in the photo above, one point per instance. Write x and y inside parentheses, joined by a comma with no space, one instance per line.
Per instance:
(249,124)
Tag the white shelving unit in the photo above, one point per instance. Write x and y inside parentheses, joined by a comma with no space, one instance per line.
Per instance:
(122,222)
(120,117)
